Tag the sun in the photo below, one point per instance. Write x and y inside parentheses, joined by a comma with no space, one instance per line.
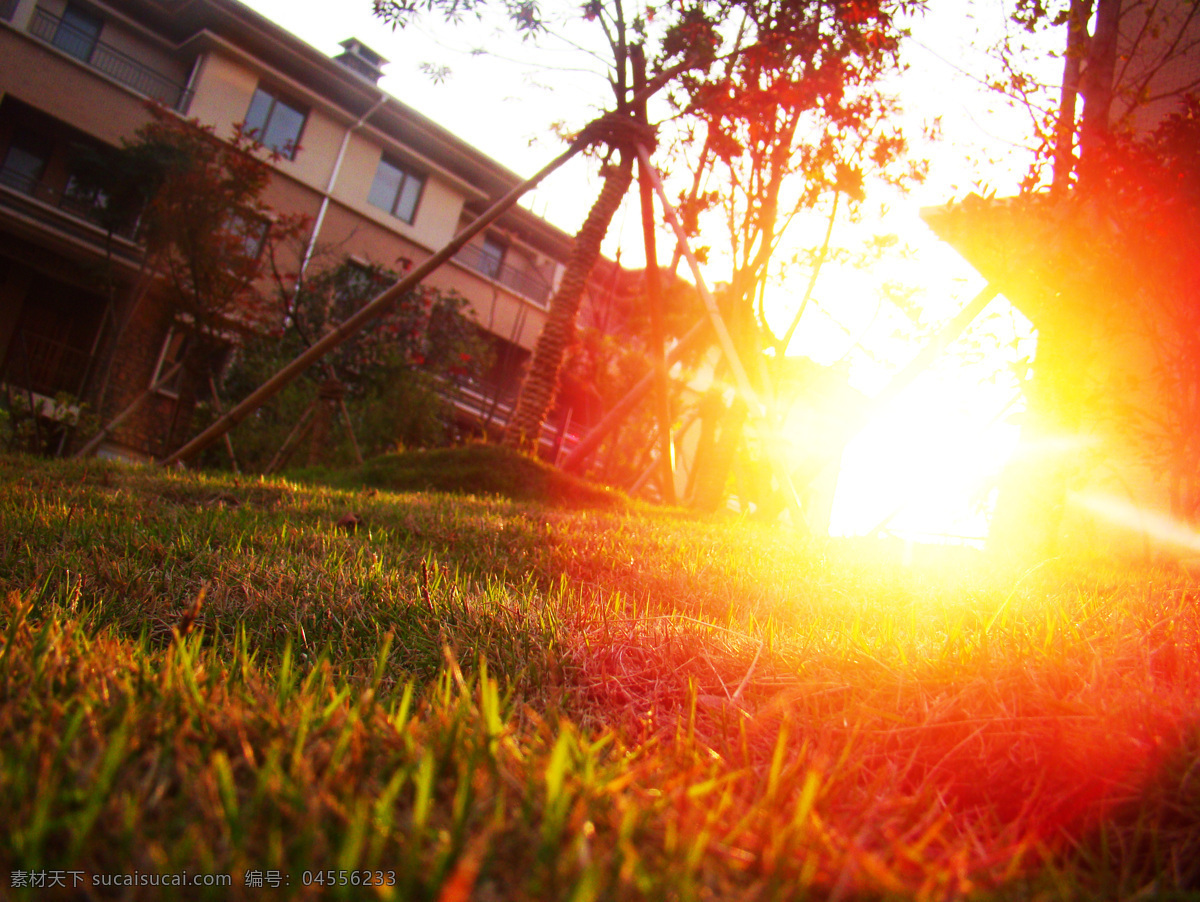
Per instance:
(927,468)
(926,465)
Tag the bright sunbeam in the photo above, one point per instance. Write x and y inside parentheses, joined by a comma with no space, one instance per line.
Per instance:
(1151,524)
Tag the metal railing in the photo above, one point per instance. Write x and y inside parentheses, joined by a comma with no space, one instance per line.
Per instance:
(474,257)
(87,206)
(45,365)
(107,59)
(490,408)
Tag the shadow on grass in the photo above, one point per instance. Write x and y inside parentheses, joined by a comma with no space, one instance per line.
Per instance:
(484,470)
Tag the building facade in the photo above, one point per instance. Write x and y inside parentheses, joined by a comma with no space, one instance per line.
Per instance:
(377,181)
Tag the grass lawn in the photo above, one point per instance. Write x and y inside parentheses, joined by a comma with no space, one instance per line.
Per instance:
(456,697)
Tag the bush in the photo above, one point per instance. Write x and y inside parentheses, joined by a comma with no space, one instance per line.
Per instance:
(396,374)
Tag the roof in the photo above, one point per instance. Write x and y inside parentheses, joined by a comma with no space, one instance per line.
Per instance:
(1034,247)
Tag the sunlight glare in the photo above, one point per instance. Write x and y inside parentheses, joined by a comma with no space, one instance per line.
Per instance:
(926,468)
(1152,524)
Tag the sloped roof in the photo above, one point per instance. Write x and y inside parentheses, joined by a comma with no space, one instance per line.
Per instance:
(1020,244)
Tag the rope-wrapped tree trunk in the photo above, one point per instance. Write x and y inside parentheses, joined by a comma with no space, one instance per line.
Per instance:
(541,382)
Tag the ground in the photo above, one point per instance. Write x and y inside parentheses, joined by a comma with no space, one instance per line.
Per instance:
(465,696)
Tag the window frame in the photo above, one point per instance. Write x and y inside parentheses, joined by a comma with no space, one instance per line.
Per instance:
(250,232)
(407,174)
(174,350)
(276,99)
(33,148)
(491,241)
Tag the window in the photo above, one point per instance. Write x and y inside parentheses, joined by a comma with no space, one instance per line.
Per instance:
(250,233)
(396,189)
(274,123)
(23,165)
(78,32)
(492,258)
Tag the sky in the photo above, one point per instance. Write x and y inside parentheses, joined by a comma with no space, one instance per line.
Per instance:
(505,99)
(953,428)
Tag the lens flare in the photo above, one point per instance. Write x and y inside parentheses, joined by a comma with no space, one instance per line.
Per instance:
(1149,523)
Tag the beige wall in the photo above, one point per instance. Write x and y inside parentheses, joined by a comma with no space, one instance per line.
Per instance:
(67,89)
(437,212)
(496,309)
(224,88)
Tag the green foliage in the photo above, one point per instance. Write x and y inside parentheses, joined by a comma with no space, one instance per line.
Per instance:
(41,428)
(197,202)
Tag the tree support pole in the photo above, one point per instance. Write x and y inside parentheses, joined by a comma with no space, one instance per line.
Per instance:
(220,409)
(745,389)
(370,311)
(294,438)
(916,366)
(931,351)
(654,294)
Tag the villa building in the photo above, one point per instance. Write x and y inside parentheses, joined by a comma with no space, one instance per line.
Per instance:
(378,181)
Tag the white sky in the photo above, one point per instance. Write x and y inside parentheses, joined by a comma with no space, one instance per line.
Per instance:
(506,101)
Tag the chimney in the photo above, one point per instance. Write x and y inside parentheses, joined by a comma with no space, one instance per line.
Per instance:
(360,58)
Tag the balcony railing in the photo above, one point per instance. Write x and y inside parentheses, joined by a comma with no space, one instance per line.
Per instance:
(107,59)
(483,407)
(46,365)
(524,284)
(87,206)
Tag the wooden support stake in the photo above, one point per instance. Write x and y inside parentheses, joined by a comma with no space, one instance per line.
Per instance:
(220,409)
(350,429)
(915,368)
(575,459)
(654,294)
(299,431)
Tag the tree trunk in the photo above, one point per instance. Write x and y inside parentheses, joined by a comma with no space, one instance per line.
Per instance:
(541,382)
(1098,84)
(1064,140)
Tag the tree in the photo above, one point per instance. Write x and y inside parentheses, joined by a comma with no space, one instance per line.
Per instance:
(1113,256)
(797,122)
(197,204)
(680,43)
(393,379)
(1130,62)
(1149,192)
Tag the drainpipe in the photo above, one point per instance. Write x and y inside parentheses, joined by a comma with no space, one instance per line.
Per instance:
(337,168)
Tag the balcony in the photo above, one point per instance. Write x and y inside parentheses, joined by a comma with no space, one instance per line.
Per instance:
(46,366)
(106,59)
(83,219)
(529,286)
